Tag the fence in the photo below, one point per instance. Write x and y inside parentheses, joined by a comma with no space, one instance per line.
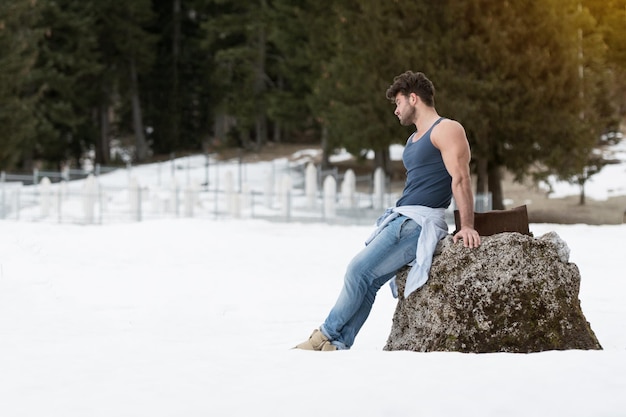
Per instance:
(66,174)
(199,187)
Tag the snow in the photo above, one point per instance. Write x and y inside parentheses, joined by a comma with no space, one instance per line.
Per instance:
(198,317)
(609,182)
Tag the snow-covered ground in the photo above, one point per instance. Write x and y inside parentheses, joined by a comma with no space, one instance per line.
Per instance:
(197,317)
(609,182)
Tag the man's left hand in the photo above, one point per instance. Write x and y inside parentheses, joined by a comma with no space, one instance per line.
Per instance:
(470,237)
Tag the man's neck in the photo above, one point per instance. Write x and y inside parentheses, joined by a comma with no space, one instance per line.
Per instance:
(426,118)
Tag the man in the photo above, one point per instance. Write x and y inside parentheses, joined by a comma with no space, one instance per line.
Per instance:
(436,158)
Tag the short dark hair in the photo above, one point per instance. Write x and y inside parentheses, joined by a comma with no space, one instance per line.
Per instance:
(413,82)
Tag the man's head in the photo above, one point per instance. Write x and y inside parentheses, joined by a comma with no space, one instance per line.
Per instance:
(412,82)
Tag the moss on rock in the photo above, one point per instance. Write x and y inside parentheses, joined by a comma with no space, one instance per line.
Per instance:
(515,293)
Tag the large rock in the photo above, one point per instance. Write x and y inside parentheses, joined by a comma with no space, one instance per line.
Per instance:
(515,293)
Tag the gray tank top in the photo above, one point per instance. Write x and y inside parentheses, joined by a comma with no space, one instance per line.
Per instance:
(428,182)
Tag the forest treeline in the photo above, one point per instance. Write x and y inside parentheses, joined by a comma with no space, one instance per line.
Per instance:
(538,84)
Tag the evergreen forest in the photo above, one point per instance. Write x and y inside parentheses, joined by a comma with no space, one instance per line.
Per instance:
(540,85)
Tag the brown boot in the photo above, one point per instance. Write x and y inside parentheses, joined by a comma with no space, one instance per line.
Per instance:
(328,347)
(317,341)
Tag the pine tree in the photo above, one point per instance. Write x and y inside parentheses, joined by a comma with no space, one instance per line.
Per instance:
(290,70)
(126,51)
(600,62)
(17,58)
(611,22)
(372,43)
(238,33)
(513,66)
(66,68)
(179,91)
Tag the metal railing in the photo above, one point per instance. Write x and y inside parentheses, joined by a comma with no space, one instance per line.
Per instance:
(195,188)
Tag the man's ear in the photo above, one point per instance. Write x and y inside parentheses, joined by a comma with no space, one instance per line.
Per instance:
(413,98)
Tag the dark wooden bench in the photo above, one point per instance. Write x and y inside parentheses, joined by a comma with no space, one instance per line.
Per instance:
(498,221)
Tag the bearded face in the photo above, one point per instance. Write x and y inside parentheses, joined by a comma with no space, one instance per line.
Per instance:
(405,112)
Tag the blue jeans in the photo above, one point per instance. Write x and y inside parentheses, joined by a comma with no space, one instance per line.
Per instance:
(369,270)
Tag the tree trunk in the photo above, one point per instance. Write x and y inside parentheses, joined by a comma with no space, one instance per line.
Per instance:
(481,176)
(495,186)
(326,151)
(581,183)
(259,83)
(141,147)
(278,125)
(102,147)
(277,136)
(261,131)
(220,129)
(28,162)
(383,160)
(174,116)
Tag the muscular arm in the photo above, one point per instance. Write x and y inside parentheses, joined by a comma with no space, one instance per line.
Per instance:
(449,137)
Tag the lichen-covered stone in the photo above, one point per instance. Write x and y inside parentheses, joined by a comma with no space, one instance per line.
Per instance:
(515,293)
